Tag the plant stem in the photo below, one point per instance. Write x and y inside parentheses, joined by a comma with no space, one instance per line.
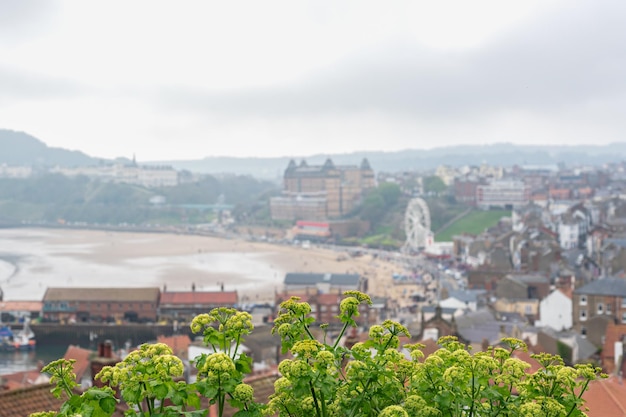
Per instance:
(345,326)
(317,406)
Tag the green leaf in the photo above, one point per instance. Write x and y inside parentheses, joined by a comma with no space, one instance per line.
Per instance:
(160,391)
(107,404)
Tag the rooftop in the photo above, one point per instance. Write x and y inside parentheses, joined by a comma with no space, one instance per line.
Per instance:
(606,286)
(102,294)
(201,297)
(298,278)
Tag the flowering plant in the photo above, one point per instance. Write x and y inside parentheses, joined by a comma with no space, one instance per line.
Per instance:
(323,378)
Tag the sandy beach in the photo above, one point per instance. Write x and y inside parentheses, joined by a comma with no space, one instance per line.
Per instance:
(32,260)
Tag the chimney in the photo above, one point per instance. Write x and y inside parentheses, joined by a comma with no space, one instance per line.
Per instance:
(104,358)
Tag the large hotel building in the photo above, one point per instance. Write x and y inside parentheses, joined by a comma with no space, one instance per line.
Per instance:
(321,192)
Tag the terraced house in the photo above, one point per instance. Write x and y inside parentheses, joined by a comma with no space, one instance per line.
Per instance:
(597,304)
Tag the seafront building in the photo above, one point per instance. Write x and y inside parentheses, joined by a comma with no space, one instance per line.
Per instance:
(321,192)
(86,304)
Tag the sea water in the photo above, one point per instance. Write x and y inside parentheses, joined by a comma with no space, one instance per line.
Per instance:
(30,263)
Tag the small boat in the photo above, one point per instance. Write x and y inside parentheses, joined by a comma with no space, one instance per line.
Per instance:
(24,339)
(7,339)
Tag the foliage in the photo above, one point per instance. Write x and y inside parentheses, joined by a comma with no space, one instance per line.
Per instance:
(50,197)
(95,402)
(390,193)
(382,208)
(433,185)
(322,378)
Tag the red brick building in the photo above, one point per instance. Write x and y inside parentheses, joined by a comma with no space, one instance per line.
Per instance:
(87,304)
(325,308)
(185,305)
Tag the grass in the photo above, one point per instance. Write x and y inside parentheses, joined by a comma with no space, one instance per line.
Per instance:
(474,223)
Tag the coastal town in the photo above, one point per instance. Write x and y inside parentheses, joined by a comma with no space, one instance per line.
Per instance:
(551,273)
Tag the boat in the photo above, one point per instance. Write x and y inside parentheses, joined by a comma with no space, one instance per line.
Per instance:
(7,339)
(24,339)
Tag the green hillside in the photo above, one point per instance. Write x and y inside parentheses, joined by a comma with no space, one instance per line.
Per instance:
(474,223)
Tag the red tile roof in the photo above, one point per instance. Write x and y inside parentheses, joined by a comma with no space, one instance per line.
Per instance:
(525,356)
(225,298)
(24,401)
(102,294)
(606,398)
(82,357)
(23,379)
(430,347)
(21,305)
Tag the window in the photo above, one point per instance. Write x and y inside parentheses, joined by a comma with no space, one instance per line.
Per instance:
(583,331)
(608,308)
(583,300)
(583,315)
(624,317)
(600,308)
(624,302)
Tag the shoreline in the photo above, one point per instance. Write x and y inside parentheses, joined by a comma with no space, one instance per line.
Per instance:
(59,257)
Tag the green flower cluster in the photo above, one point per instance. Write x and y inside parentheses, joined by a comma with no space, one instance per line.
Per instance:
(374,378)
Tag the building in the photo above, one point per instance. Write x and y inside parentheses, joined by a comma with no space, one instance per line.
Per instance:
(19,310)
(185,305)
(87,304)
(316,231)
(319,192)
(600,298)
(325,308)
(297,282)
(148,176)
(464,299)
(612,355)
(555,311)
(507,194)
(523,287)
(465,190)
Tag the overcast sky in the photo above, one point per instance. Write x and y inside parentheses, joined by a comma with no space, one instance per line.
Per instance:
(189,79)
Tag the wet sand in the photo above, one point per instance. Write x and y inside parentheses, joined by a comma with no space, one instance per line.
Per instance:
(35,259)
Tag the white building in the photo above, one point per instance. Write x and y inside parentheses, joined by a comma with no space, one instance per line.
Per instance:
(568,234)
(146,176)
(506,194)
(555,311)
(463,299)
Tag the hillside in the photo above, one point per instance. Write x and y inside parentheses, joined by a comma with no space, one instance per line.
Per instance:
(19,148)
(503,154)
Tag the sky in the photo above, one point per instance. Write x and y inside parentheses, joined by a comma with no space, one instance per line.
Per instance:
(167,80)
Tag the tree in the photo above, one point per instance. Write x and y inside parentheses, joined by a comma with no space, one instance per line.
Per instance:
(390,192)
(433,184)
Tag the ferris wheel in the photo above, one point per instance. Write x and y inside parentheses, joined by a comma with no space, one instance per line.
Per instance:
(416,224)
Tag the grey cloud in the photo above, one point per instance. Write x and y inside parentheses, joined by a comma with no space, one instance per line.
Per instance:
(21,85)
(556,62)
